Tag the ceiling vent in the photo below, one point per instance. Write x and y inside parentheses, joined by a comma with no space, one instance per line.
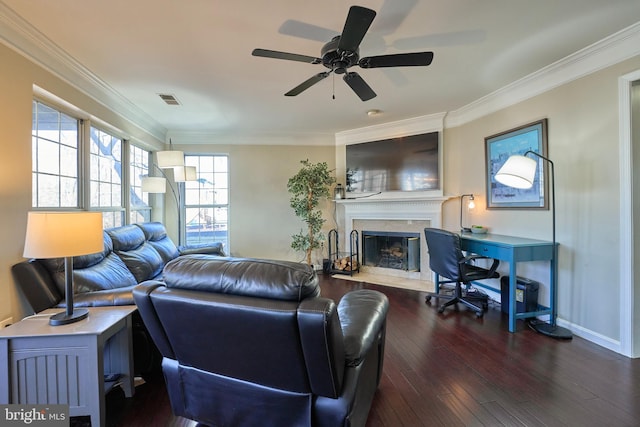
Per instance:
(169,99)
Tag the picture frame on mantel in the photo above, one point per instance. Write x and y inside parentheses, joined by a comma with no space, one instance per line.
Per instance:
(498,148)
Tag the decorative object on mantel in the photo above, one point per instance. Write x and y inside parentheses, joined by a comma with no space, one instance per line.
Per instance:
(519,171)
(344,262)
(308,188)
(470,206)
(338,192)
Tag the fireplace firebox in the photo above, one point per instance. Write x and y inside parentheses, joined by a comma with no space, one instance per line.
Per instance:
(395,250)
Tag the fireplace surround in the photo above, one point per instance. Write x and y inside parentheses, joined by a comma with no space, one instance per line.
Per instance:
(397,212)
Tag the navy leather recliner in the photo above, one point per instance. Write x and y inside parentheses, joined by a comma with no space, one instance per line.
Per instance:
(250,342)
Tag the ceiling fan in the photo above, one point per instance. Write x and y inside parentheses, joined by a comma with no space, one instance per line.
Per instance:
(342,53)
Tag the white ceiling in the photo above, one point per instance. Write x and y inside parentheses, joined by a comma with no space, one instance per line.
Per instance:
(200,52)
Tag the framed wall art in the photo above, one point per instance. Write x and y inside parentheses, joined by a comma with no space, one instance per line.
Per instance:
(498,148)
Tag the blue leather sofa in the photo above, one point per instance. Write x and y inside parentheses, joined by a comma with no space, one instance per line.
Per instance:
(131,254)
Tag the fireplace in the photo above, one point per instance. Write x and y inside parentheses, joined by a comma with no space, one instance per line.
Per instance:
(401,213)
(394,250)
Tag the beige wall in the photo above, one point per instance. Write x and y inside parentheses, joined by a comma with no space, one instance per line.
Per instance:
(261,222)
(16,85)
(584,146)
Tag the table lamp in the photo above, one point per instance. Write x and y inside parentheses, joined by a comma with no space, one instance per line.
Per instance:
(470,205)
(64,235)
(519,171)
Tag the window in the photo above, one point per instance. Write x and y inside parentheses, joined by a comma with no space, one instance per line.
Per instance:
(55,149)
(206,203)
(105,170)
(62,144)
(139,209)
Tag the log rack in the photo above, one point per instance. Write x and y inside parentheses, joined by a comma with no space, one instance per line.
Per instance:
(344,262)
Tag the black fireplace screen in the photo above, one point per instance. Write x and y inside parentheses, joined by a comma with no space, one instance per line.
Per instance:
(397,250)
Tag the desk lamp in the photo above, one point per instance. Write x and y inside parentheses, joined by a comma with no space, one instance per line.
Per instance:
(471,205)
(519,172)
(64,234)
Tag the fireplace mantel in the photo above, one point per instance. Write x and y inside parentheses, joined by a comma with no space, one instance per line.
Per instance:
(392,208)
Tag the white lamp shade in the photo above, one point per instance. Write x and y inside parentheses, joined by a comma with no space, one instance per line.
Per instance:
(517,172)
(170,159)
(154,184)
(63,234)
(185,173)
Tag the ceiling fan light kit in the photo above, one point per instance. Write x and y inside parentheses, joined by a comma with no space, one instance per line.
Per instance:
(342,52)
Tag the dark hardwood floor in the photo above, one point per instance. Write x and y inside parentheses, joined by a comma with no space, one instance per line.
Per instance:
(453,369)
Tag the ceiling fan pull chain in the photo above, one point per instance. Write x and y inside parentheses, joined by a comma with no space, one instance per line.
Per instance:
(333,82)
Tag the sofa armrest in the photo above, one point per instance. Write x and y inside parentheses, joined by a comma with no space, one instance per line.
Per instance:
(215,248)
(363,315)
(36,285)
(322,345)
(142,297)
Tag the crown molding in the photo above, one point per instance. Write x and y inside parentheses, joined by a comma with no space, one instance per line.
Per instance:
(609,51)
(412,126)
(26,40)
(271,138)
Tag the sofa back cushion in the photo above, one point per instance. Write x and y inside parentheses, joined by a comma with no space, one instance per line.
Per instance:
(156,235)
(142,259)
(95,272)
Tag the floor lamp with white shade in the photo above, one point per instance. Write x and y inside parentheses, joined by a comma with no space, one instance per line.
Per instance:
(158,184)
(519,171)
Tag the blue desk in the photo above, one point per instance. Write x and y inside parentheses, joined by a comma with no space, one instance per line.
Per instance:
(513,250)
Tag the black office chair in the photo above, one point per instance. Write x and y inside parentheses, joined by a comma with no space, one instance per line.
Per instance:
(448,261)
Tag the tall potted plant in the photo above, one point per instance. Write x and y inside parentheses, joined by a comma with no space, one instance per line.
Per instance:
(308,188)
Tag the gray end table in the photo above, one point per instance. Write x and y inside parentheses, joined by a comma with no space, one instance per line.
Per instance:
(43,364)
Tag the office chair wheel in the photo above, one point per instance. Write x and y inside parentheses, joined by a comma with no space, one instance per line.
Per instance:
(441,310)
(479,314)
(427,298)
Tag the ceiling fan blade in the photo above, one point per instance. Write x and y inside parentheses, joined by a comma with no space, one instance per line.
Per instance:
(359,86)
(307,84)
(265,53)
(358,22)
(294,28)
(414,59)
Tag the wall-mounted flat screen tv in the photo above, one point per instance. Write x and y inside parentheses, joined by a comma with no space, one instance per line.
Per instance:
(407,163)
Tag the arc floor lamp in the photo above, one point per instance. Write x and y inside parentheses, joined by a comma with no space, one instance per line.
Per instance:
(519,171)
(171,159)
